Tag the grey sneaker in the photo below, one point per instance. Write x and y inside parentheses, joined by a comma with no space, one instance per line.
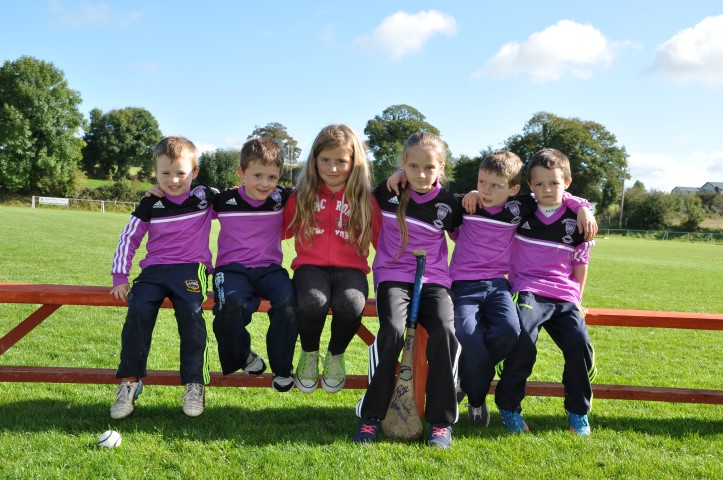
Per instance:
(194,399)
(307,372)
(282,384)
(479,415)
(255,365)
(125,398)
(334,376)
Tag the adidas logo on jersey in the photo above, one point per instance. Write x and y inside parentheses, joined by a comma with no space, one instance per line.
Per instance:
(394,200)
(231,201)
(159,204)
(526,226)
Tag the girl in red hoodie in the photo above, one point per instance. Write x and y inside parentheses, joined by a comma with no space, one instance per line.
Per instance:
(334,218)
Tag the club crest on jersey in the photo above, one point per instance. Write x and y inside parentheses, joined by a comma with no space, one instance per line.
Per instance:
(442,211)
(570,226)
(193,286)
(276,197)
(514,207)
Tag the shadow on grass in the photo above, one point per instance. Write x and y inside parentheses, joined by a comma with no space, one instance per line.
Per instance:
(310,425)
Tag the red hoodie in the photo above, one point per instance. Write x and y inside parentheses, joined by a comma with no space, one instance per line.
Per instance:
(329,246)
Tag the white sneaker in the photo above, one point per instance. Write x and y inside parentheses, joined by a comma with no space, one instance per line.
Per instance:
(125,398)
(194,399)
(282,384)
(255,365)
(334,376)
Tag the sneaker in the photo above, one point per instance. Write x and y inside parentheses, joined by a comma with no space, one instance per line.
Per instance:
(479,415)
(194,399)
(440,435)
(579,424)
(307,372)
(367,431)
(513,421)
(282,384)
(255,365)
(125,398)
(334,376)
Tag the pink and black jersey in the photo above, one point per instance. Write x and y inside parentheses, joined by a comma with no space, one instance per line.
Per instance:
(483,244)
(178,231)
(250,229)
(544,252)
(427,218)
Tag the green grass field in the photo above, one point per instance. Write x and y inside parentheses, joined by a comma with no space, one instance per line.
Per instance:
(50,430)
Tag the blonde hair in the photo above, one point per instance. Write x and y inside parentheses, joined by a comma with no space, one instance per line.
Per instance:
(429,141)
(504,163)
(263,150)
(175,147)
(550,159)
(357,192)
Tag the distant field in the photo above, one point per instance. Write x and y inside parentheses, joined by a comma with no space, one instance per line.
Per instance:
(256,433)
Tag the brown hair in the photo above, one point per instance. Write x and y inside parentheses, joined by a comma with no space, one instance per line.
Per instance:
(175,147)
(550,159)
(424,140)
(263,150)
(504,163)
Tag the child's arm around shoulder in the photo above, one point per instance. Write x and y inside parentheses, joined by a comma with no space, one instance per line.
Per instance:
(586,223)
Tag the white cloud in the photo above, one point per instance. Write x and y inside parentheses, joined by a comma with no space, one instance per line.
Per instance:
(91,15)
(403,33)
(694,54)
(566,48)
(661,172)
(205,147)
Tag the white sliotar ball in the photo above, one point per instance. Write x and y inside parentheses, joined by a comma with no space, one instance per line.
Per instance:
(109,439)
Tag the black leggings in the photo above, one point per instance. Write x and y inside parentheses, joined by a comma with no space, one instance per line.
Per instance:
(345,290)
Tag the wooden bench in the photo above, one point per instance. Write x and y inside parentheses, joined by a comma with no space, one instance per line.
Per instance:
(52,297)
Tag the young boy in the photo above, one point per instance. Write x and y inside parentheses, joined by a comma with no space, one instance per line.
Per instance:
(486,322)
(547,273)
(175,266)
(248,267)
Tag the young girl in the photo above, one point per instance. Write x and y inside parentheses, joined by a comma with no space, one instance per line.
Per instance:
(416,219)
(331,214)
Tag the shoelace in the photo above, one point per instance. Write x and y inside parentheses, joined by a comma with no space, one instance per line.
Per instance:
(333,370)
(476,412)
(193,390)
(368,428)
(308,370)
(124,393)
(439,431)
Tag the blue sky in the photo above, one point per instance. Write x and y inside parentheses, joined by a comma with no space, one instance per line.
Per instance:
(651,72)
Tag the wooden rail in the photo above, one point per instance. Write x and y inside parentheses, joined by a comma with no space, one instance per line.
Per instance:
(52,297)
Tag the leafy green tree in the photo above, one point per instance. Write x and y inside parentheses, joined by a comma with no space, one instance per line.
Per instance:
(277,132)
(386,134)
(119,140)
(598,164)
(694,213)
(218,168)
(39,122)
(654,210)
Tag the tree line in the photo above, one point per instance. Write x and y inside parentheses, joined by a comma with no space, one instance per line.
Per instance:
(48,147)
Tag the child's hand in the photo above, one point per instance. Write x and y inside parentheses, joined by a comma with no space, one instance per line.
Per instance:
(582,310)
(586,223)
(155,190)
(397,179)
(120,292)
(470,201)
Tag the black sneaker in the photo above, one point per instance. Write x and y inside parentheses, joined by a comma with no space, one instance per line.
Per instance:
(367,431)
(440,435)
(282,384)
(479,415)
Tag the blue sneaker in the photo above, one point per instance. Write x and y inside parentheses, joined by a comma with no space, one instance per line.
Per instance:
(440,435)
(513,421)
(579,424)
(367,431)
